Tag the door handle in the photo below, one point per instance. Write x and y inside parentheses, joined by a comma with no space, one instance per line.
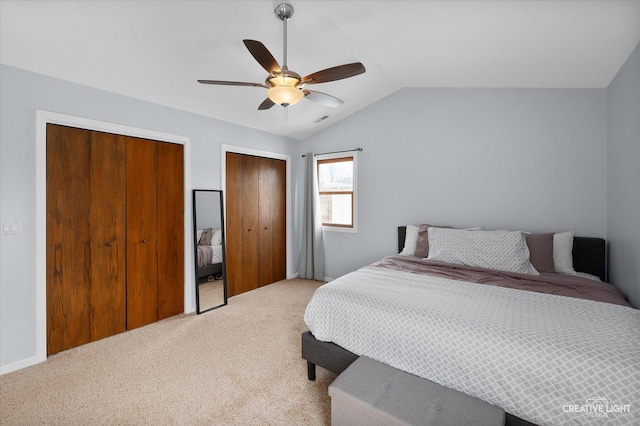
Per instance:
(266,228)
(250,230)
(144,241)
(109,244)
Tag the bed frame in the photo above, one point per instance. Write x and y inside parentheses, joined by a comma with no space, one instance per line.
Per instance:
(213,269)
(589,255)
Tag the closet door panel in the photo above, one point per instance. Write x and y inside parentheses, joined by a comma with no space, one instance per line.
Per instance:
(255,221)
(280,221)
(68,238)
(266,204)
(233,223)
(170,230)
(107,292)
(142,226)
(250,223)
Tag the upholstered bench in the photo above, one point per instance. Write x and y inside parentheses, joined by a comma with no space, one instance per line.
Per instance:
(372,393)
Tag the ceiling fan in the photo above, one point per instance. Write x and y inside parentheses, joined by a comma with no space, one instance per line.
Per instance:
(286,87)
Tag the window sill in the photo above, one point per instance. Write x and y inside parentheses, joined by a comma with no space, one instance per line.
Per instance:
(353,230)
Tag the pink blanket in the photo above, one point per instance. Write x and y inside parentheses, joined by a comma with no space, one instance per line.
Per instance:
(560,284)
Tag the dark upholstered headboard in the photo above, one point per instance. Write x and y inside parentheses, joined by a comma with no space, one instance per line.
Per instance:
(589,254)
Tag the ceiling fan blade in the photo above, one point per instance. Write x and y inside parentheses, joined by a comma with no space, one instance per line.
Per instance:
(263,56)
(334,73)
(322,98)
(266,104)
(231,83)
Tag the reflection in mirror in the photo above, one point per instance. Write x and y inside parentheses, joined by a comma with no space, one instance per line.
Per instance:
(208,220)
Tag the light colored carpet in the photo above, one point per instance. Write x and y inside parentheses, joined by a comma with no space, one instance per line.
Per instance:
(211,294)
(236,365)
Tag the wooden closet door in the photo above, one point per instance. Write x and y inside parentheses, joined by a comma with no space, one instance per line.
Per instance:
(272,207)
(170,230)
(250,223)
(85,237)
(279,223)
(142,227)
(233,223)
(68,238)
(255,222)
(266,206)
(107,294)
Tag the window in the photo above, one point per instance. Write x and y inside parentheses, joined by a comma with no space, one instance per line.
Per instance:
(337,187)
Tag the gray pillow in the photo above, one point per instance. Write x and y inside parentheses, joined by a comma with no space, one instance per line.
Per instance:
(500,250)
(205,238)
(422,246)
(541,252)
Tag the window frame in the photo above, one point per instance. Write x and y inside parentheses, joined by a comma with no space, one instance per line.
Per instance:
(328,158)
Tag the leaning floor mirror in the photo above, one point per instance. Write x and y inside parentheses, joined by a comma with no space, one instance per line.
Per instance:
(208,221)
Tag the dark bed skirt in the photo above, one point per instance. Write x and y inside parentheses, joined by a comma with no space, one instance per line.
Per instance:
(205,271)
(336,359)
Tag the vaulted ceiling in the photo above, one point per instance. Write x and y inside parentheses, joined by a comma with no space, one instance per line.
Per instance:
(156,50)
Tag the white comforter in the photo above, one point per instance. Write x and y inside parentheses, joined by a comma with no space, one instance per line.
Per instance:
(545,358)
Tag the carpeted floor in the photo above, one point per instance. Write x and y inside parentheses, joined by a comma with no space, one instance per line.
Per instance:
(236,365)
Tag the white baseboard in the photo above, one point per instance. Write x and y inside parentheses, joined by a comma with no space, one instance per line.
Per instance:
(18,365)
(325,279)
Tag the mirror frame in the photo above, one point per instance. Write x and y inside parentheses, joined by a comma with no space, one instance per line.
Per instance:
(195,250)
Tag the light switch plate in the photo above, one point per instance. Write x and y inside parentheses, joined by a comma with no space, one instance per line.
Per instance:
(11,227)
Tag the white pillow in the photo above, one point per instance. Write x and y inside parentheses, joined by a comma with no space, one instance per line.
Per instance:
(563,252)
(410,241)
(501,250)
(216,238)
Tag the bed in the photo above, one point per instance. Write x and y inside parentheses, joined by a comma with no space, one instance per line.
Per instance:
(544,357)
(209,253)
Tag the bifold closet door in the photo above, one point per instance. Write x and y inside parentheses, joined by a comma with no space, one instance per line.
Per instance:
(271,208)
(255,221)
(251,253)
(142,230)
(115,234)
(108,240)
(85,236)
(242,221)
(233,223)
(170,178)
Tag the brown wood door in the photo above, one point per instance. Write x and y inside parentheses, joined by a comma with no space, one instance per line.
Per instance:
(272,207)
(233,223)
(85,212)
(255,222)
(250,223)
(170,230)
(142,228)
(108,242)
(266,207)
(279,223)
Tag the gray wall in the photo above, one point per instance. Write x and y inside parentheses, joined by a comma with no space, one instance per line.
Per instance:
(24,92)
(529,159)
(623,178)
(533,159)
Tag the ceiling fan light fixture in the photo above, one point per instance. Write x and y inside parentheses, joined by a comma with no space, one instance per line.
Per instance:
(285,95)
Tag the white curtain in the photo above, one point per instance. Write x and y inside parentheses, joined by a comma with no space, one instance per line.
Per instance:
(311,261)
